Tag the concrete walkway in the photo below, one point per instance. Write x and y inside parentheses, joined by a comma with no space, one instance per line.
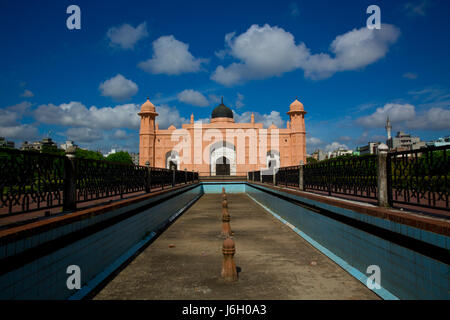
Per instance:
(274,262)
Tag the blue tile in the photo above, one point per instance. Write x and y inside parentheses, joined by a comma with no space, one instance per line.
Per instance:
(10,249)
(2,252)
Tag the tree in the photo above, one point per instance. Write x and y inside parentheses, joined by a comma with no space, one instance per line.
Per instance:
(88,154)
(121,156)
(310,160)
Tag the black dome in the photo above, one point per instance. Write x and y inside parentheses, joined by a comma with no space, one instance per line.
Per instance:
(222,111)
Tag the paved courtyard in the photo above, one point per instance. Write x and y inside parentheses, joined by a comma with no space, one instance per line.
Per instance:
(273,261)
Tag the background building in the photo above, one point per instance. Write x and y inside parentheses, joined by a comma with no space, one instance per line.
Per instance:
(6,144)
(403,141)
(370,148)
(135,158)
(42,146)
(339,152)
(442,141)
(319,155)
(68,144)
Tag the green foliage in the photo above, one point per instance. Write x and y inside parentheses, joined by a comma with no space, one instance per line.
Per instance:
(310,160)
(53,151)
(88,154)
(121,156)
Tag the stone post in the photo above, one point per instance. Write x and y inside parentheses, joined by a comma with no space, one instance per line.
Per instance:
(173,178)
(148,187)
(229,272)
(226,229)
(300,177)
(383,200)
(70,181)
(274,176)
(185,176)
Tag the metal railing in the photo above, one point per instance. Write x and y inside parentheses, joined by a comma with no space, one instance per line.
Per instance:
(355,176)
(413,178)
(31,181)
(288,176)
(419,177)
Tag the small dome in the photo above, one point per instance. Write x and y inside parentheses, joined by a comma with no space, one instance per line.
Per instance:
(296,106)
(222,111)
(147,106)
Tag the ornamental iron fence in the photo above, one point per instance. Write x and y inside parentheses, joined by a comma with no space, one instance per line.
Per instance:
(31,181)
(419,177)
(355,176)
(413,178)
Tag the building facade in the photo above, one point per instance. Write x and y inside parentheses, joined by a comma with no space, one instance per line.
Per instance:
(6,144)
(370,148)
(45,145)
(403,141)
(222,146)
(442,141)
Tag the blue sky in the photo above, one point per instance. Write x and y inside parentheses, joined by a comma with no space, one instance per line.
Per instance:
(87,85)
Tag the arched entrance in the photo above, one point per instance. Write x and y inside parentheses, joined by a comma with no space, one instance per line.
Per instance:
(172,160)
(223,159)
(273,160)
(222,167)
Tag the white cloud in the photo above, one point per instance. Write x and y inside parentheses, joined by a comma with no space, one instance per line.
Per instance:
(214,98)
(168,115)
(27,94)
(410,75)
(405,116)
(267,120)
(221,54)
(10,115)
(171,57)
(84,134)
(396,112)
(313,141)
(268,51)
(193,97)
(239,103)
(119,88)
(335,146)
(19,132)
(120,134)
(126,36)
(75,114)
(433,119)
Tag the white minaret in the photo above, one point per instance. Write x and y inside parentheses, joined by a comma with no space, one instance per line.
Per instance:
(388,128)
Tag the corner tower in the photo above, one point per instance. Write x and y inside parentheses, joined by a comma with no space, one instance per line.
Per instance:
(147,134)
(298,133)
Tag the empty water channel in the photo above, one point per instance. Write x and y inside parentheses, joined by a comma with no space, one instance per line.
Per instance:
(288,246)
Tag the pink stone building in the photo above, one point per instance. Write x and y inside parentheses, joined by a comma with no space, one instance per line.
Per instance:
(222,147)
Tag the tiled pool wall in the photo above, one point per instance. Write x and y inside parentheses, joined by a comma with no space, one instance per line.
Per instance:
(405,274)
(45,277)
(230,187)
